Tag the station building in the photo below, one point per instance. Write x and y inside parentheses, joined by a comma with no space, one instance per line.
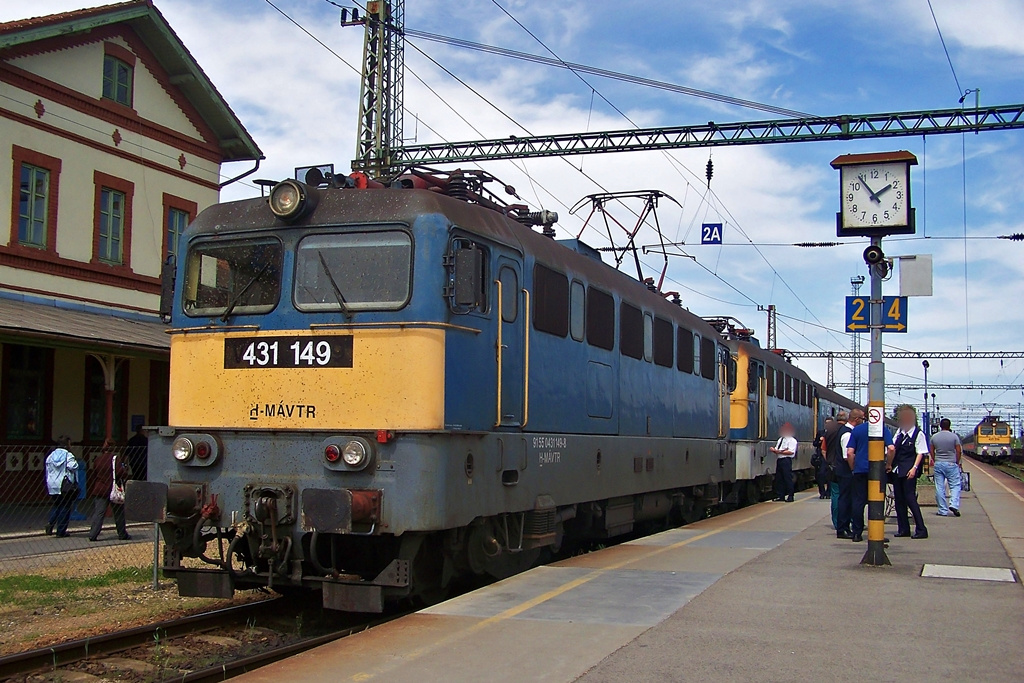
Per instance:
(114,139)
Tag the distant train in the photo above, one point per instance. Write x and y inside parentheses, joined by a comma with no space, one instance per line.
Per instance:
(377,390)
(991,441)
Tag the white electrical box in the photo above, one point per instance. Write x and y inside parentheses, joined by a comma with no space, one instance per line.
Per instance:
(916,275)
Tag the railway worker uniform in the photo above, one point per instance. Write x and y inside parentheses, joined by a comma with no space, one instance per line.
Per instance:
(785,451)
(835,450)
(911,447)
(945,460)
(858,446)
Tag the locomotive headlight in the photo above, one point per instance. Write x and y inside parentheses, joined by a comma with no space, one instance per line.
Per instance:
(354,453)
(287,199)
(182,448)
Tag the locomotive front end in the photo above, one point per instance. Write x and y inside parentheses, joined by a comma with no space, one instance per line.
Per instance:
(300,373)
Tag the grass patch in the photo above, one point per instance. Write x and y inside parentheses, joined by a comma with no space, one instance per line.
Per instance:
(30,590)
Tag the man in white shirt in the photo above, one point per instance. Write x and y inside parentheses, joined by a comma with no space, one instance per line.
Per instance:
(785,451)
(905,460)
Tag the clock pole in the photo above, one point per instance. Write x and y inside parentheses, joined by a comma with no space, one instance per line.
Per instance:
(874,197)
(875,554)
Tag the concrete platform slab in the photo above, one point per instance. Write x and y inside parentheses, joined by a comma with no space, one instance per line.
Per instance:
(766,593)
(752,540)
(947,571)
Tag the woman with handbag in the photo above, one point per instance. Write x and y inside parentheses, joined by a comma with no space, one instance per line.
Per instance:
(109,476)
(62,485)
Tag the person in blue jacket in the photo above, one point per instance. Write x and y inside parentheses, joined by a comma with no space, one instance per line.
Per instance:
(857,457)
(62,485)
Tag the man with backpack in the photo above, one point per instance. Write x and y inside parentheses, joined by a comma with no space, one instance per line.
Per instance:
(835,455)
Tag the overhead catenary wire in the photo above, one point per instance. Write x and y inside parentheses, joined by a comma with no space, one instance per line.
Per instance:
(668,156)
(606,73)
(502,112)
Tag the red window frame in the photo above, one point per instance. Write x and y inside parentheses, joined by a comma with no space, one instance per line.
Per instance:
(103,180)
(23,155)
(172,202)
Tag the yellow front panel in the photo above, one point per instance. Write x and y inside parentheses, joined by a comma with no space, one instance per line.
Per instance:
(396,382)
(739,403)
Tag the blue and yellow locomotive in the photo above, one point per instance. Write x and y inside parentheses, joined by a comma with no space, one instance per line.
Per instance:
(377,390)
(991,441)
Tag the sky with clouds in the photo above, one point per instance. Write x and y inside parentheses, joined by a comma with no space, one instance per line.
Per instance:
(818,56)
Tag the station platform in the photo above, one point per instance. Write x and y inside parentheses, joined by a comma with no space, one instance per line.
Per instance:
(764,593)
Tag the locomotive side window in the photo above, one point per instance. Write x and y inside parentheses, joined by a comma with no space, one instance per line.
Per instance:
(631,331)
(576,317)
(600,319)
(550,301)
(770,373)
(663,343)
(780,384)
(684,361)
(240,277)
(467,277)
(697,340)
(353,271)
(752,377)
(509,294)
(731,372)
(707,359)
(789,388)
(648,337)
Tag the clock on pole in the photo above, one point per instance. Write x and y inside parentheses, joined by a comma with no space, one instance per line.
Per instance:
(874,194)
(874,201)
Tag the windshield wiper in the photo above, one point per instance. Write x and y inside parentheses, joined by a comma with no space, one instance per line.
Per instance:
(334,285)
(238,297)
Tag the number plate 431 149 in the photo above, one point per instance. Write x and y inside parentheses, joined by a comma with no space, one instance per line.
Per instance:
(288,352)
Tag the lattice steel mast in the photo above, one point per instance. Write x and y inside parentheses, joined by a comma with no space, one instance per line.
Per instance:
(382,89)
(855,284)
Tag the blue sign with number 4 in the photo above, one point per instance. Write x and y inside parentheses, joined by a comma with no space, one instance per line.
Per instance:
(710,233)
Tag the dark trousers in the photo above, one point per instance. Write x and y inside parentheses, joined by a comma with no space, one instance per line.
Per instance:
(60,512)
(845,502)
(904,491)
(858,501)
(784,477)
(99,511)
(821,477)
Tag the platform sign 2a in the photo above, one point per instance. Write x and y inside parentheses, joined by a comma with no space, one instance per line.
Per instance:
(710,233)
(894,314)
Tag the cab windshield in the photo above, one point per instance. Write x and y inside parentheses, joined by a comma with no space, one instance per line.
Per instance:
(353,271)
(232,278)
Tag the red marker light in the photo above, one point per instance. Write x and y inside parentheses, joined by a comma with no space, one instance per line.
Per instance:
(332,453)
(384,435)
(203,450)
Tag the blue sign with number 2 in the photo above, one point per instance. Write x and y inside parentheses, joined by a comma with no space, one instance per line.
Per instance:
(711,233)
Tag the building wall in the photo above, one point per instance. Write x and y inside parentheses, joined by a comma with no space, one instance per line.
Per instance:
(52,105)
(68,393)
(159,150)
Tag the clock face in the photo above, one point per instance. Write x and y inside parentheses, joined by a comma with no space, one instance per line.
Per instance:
(875,195)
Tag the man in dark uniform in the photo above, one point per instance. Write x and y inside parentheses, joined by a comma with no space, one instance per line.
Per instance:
(138,453)
(910,449)
(835,455)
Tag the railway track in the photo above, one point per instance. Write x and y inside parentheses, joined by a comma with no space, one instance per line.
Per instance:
(203,647)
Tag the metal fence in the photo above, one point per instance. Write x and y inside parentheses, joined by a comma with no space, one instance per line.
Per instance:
(26,547)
